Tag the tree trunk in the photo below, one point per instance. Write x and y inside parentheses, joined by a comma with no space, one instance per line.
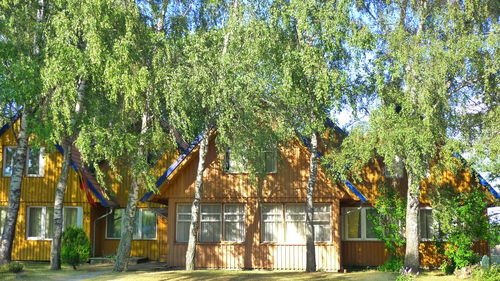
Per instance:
(128,224)
(55,249)
(195,208)
(14,191)
(412,233)
(313,172)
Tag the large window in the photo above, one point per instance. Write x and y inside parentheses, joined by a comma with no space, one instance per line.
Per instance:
(41,221)
(287,223)
(218,223)
(357,224)
(145,225)
(34,161)
(238,164)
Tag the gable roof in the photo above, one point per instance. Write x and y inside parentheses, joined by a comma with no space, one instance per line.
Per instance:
(482,181)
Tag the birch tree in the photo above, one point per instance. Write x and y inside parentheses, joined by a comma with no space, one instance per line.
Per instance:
(21,27)
(434,69)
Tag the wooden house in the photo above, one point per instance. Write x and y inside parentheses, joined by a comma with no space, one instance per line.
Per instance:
(86,204)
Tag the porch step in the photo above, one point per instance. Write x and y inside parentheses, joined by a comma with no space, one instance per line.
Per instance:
(132,260)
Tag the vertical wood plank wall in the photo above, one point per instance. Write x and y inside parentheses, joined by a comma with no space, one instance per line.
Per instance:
(286,186)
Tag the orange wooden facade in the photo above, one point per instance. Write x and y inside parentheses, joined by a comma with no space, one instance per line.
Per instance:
(287,185)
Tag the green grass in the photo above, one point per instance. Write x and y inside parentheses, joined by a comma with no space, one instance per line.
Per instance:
(40,271)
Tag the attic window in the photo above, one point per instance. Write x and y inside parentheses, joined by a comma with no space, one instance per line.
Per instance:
(34,161)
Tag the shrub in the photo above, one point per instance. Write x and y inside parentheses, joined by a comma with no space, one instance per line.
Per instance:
(393,264)
(448,267)
(75,247)
(406,275)
(13,267)
(491,274)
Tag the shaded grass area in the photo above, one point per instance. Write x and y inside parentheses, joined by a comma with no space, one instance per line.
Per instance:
(226,275)
(40,271)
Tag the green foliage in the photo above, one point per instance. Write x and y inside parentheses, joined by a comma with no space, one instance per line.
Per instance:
(75,247)
(461,221)
(491,274)
(405,275)
(389,219)
(13,267)
(447,267)
(393,264)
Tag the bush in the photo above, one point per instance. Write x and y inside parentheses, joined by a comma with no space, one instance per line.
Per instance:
(448,267)
(13,267)
(406,275)
(393,264)
(75,247)
(492,274)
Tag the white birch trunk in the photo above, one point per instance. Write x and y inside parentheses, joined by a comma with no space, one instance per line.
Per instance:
(313,172)
(412,234)
(9,230)
(195,207)
(55,249)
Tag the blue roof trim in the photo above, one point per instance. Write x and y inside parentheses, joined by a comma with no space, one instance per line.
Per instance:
(482,181)
(318,154)
(4,129)
(97,194)
(174,166)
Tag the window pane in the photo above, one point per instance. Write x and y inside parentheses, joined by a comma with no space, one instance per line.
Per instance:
(70,217)
(370,233)
(235,163)
(49,222)
(295,223)
(3,216)
(210,232)
(182,232)
(426,221)
(321,222)
(183,222)
(114,224)
(353,221)
(210,209)
(272,219)
(186,209)
(33,161)
(234,223)
(270,158)
(8,162)
(35,222)
(148,227)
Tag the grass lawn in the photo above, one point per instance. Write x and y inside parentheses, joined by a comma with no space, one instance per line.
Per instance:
(143,272)
(40,271)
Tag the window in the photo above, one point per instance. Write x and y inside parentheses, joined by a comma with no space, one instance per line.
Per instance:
(214,218)
(8,160)
(234,223)
(41,221)
(3,217)
(183,222)
(34,161)
(357,224)
(426,224)
(238,164)
(293,228)
(145,225)
(272,222)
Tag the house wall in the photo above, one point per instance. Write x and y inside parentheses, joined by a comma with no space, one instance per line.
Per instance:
(288,185)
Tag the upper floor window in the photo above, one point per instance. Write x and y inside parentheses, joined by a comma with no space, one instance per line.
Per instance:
(426,224)
(41,221)
(356,224)
(238,164)
(34,161)
(145,225)
(287,223)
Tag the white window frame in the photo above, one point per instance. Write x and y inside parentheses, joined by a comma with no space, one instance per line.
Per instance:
(222,221)
(287,221)
(4,160)
(363,218)
(41,160)
(136,226)
(44,221)
(177,220)
(242,220)
(282,234)
(322,221)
